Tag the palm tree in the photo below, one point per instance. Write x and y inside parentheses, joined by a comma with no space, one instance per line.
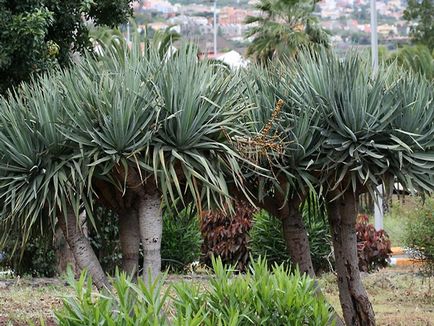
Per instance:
(131,129)
(375,127)
(283,28)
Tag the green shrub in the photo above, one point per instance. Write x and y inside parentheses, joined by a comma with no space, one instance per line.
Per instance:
(105,238)
(38,259)
(125,304)
(420,237)
(181,240)
(259,297)
(267,240)
(320,245)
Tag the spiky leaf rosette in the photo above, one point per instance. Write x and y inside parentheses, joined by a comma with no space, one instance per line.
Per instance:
(362,121)
(40,178)
(286,134)
(168,118)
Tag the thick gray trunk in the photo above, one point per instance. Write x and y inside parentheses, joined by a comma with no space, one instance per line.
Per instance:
(355,303)
(129,236)
(151,229)
(83,253)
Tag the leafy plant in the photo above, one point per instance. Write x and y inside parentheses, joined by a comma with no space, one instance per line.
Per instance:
(420,15)
(261,297)
(418,59)
(267,240)
(38,35)
(373,247)
(36,259)
(181,240)
(420,237)
(283,28)
(125,304)
(105,238)
(226,236)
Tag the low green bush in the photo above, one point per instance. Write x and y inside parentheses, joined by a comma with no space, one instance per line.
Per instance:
(126,303)
(260,297)
(266,240)
(419,237)
(180,245)
(38,258)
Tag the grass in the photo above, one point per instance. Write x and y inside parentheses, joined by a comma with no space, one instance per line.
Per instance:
(400,296)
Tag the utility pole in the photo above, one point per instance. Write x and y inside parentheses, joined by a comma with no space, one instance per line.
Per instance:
(374,36)
(215,27)
(128,33)
(378,209)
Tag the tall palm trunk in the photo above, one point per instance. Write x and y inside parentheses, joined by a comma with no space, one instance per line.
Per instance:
(355,303)
(151,230)
(64,255)
(82,250)
(129,237)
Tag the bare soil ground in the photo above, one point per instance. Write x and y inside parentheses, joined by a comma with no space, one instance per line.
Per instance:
(400,296)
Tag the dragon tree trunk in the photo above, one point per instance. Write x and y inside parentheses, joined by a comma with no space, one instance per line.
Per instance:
(356,307)
(296,239)
(129,236)
(82,250)
(151,229)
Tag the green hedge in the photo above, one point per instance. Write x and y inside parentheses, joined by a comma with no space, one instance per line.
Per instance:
(260,297)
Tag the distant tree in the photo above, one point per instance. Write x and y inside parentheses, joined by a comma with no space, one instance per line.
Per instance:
(421,14)
(38,34)
(283,27)
(417,59)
